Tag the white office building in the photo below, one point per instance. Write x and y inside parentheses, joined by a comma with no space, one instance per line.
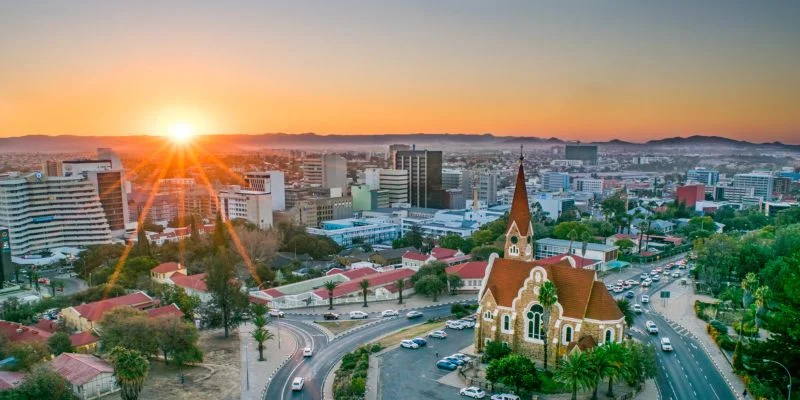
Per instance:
(555,181)
(601,253)
(487,188)
(589,185)
(271,182)
(762,183)
(251,205)
(393,181)
(361,230)
(327,170)
(47,212)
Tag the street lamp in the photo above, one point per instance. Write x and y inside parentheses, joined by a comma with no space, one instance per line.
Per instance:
(787,373)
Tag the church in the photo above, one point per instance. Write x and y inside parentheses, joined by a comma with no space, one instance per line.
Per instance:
(584,316)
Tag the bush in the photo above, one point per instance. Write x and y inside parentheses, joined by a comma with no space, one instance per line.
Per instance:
(494,351)
(458,310)
(350,380)
(725,342)
(719,327)
(749,328)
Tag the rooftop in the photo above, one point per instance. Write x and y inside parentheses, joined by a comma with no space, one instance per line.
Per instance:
(80,369)
(94,311)
(565,243)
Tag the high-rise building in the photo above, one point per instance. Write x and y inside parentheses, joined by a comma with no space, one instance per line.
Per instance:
(43,212)
(80,167)
(487,188)
(333,208)
(690,194)
(425,176)
(111,189)
(555,181)
(583,152)
(732,194)
(455,199)
(782,184)
(452,178)
(271,182)
(394,148)
(365,198)
(251,205)
(589,185)
(762,183)
(327,171)
(5,255)
(393,181)
(52,168)
(708,177)
(106,153)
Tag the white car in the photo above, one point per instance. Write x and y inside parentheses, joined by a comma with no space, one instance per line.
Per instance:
(389,313)
(647,282)
(438,334)
(358,315)
(463,357)
(297,383)
(631,282)
(665,344)
(651,327)
(618,289)
(276,313)
(637,308)
(505,396)
(676,274)
(472,391)
(408,344)
(645,299)
(454,325)
(467,323)
(307,352)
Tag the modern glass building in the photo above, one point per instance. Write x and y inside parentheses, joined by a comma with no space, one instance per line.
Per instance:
(425,176)
(585,153)
(361,230)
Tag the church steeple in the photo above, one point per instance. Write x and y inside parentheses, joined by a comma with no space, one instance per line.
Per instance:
(519,232)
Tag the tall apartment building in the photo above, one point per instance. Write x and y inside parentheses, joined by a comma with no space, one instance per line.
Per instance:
(762,183)
(43,212)
(708,177)
(271,182)
(393,149)
(425,176)
(251,205)
(394,181)
(366,198)
(555,181)
(487,188)
(327,170)
(110,187)
(5,254)
(583,152)
(452,178)
(52,168)
(589,185)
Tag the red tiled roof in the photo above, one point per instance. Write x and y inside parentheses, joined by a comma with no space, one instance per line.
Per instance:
(10,380)
(441,252)
(166,267)
(585,343)
(415,256)
(601,305)
(46,325)
(520,209)
(469,270)
(455,260)
(94,311)
(274,293)
(580,262)
(167,310)
(358,273)
(195,282)
(375,280)
(392,287)
(82,339)
(334,271)
(19,333)
(80,369)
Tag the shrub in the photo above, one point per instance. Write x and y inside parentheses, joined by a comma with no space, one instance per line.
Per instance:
(719,327)
(458,310)
(725,342)
(494,351)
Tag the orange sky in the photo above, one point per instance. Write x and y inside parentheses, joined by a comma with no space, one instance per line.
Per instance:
(590,73)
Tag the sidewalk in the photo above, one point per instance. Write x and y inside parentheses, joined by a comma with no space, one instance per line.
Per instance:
(680,309)
(378,306)
(261,371)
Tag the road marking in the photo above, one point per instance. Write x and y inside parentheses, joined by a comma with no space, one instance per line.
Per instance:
(715,392)
(673,389)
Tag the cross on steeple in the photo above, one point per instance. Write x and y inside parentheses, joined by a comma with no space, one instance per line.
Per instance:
(521,157)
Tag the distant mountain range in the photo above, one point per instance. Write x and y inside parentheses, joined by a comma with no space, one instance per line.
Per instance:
(227,143)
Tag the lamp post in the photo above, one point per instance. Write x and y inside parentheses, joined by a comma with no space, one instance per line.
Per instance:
(787,373)
(247,365)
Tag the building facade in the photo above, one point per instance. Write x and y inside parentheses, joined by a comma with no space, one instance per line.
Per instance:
(585,153)
(589,185)
(253,206)
(326,170)
(708,177)
(600,253)
(394,181)
(762,184)
(555,181)
(110,186)
(690,194)
(350,231)
(425,176)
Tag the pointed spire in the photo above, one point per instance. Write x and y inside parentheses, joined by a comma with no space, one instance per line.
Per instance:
(521,156)
(520,209)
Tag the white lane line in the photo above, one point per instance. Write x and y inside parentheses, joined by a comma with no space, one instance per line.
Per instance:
(673,389)
(715,392)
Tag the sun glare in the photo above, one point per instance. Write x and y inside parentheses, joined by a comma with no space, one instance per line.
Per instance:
(181,132)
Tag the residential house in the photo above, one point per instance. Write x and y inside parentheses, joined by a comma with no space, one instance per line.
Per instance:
(415,260)
(471,274)
(164,271)
(10,380)
(85,317)
(91,377)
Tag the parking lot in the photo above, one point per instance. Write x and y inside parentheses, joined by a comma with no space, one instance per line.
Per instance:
(412,374)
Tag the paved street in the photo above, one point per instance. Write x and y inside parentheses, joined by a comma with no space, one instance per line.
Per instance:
(413,374)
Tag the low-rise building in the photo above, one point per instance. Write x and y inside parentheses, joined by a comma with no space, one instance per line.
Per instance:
(416,260)
(176,274)
(601,253)
(471,273)
(86,317)
(90,377)
(350,231)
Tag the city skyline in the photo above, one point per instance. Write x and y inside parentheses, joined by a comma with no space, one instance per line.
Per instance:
(577,72)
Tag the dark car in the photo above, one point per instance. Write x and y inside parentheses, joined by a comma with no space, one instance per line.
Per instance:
(629,295)
(444,364)
(330,315)
(420,341)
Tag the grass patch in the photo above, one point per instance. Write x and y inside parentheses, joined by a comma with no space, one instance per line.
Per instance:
(409,333)
(337,327)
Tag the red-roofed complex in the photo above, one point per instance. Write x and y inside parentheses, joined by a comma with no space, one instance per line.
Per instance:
(90,376)
(10,380)
(510,310)
(352,273)
(176,274)
(18,333)
(415,260)
(85,316)
(162,272)
(165,311)
(471,274)
(84,342)
(376,282)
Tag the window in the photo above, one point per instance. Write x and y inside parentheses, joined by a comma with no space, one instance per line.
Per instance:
(487,315)
(530,239)
(567,334)
(514,240)
(534,316)
(609,336)
(506,323)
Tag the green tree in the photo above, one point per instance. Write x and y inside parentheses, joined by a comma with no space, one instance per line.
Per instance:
(172,294)
(640,363)
(548,296)
(585,238)
(27,354)
(717,258)
(600,366)
(261,335)
(131,328)
(625,245)
(430,285)
(195,232)
(42,383)
(787,240)
(220,233)
(330,286)
(177,340)
(495,350)
(514,371)
(60,343)
(452,241)
(15,311)
(228,302)
(575,372)
(615,353)
(482,253)
(625,307)
(130,369)
(762,296)
(455,283)
(364,285)
(142,242)
(401,284)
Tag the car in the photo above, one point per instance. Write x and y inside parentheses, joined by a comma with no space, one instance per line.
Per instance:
(420,341)
(504,396)
(454,360)
(637,308)
(307,352)
(408,344)
(472,391)
(645,299)
(438,335)
(644,275)
(618,289)
(451,324)
(620,283)
(676,274)
(389,313)
(297,383)
(444,364)
(653,273)
(626,286)
(651,327)
(467,323)
(413,314)
(330,315)
(629,294)
(682,266)
(276,313)
(358,315)
(631,282)
(665,344)
(462,357)
(646,282)
(658,270)
(656,278)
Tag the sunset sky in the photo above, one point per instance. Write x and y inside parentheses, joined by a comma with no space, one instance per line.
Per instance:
(590,70)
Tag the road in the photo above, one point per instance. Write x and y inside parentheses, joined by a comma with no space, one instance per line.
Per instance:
(327,354)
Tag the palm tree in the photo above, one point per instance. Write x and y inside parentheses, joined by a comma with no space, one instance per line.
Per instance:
(261,335)
(625,306)
(330,286)
(130,369)
(364,284)
(548,296)
(616,357)
(401,284)
(599,366)
(762,296)
(585,237)
(575,373)
(749,285)
(572,235)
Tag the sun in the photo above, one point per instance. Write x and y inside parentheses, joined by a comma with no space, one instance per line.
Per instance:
(181,132)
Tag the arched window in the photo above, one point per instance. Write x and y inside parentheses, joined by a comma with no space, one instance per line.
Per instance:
(514,239)
(609,336)
(506,323)
(567,334)
(535,329)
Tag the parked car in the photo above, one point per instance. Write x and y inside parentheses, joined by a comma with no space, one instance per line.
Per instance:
(409,344)
(620,283)
(297,383)
(631,282)
(454,361)
(651,327)
(413,314)
(438,334)
(645,299)
(307,352)
(358,315)
(644,275)
(626,286)
(330,315)
(467,323)
(676,274)
(276,313)
(665,344)
(637,308)
(504,396)
(462,357)
(472,391)
(656,278)
(451,324)
(420,341)
(444,364)
(629,295)
(618,289)
(389,313)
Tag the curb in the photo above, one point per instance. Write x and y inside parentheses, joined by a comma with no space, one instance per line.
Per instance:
(324,330)
(272,375)
(325,394)
(306,314)
(360,327)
